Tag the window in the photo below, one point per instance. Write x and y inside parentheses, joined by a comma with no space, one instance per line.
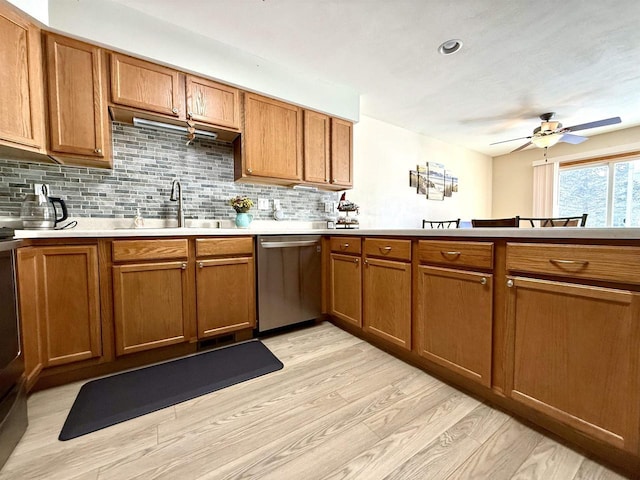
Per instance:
(609,192)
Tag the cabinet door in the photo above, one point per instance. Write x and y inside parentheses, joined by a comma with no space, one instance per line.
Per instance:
(453,320)
(341,153)
(317,153)
(151,305)
(387,300)
(225,295)
(574,356)
(69,304)
(21,94)
(211,102)
(139,84)
(272,139)
(77,112)
(345,284)
(28,301)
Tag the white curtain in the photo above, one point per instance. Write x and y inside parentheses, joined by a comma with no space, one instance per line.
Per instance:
(544,188)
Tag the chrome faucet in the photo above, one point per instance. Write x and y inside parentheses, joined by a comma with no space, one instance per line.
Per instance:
(175,185)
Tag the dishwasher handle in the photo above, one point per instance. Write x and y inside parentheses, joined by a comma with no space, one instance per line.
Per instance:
(300,243)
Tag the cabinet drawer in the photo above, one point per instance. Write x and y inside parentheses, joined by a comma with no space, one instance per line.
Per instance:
(386,248)
(346,244)
(466,254)
(207,247)
(128,250)
(596,262)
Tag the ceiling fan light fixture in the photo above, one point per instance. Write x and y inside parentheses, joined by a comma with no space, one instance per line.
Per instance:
(544,141)
(450,46)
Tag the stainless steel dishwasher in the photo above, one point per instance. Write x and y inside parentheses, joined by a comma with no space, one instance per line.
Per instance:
(289,279)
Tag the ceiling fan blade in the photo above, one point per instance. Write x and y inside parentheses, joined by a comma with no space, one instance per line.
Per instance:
(599,123)
(521,147)
(573,139)
(512,140)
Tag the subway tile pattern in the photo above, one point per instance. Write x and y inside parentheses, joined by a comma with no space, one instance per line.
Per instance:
(145,163)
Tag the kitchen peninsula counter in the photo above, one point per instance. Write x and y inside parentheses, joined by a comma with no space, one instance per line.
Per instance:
(578,233)
(521,317)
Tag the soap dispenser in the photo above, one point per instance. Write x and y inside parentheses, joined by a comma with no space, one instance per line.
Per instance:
(138,221)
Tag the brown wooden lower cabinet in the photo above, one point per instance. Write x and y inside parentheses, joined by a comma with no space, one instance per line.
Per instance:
(387,300)
(575,356)
(454,319)
(151,305)
(225,295)
(345,288)
(60,307)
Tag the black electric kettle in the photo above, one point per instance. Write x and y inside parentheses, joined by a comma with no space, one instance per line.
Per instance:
(39,210)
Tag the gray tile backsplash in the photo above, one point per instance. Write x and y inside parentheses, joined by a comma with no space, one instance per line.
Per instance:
(145,163)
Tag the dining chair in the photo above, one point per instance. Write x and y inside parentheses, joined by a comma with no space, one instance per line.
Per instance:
(441,223)
(495,222)
(575,221)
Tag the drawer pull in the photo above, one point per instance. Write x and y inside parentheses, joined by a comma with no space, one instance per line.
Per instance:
(385,249)
(582,263)
(183,266)
(483,281)
(344,246)
(356,261)
(509,283)
(450,255)
(200,264)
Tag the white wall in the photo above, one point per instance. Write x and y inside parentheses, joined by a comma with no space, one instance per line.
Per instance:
(383,156)
(38,9)
(513,173)
(125,29)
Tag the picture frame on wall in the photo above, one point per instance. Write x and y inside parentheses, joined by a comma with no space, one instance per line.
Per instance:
(433,181)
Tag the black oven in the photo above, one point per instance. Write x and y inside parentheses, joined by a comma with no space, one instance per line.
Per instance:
(13,406)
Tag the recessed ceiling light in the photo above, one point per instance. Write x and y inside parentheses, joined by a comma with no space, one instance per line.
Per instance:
(450,46)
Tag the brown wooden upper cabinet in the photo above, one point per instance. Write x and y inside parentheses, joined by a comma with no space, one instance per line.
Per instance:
(146,86)
(78,117)
(21,94)
(317,148)
(327,151)
(211,102)
(271,144)
(341,153)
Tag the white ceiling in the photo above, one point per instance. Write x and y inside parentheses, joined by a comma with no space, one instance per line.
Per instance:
(580,59)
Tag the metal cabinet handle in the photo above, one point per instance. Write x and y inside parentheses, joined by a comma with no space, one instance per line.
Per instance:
(569,262)
(366,262)
(174,110)
(98,150)
(509,283)
(190,114)
(483,281)
(200,265)
(344,246)
(357,260)
(448,255)
(183,266)
(249,170)
(386,249)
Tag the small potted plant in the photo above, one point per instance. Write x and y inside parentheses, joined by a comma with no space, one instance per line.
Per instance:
(242,205)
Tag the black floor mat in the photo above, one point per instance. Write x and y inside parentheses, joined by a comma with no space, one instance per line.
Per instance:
(107,401)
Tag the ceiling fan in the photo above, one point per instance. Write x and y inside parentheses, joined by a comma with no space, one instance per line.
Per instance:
(551,132)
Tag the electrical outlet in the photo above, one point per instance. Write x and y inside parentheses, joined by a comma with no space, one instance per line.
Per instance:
(263,204)
(37,188)
(328,207)
(276,204)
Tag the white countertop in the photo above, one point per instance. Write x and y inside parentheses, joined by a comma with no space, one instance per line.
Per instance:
(298,228)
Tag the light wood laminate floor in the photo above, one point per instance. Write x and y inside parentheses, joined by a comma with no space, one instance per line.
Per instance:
(340,409)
